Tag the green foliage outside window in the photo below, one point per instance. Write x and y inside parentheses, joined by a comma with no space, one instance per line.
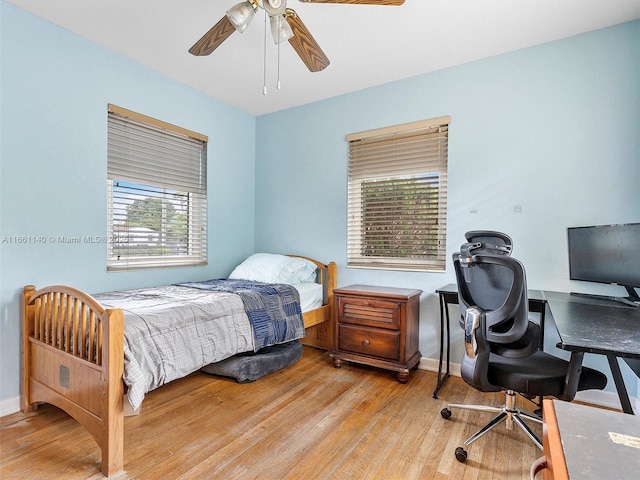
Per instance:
(399,217)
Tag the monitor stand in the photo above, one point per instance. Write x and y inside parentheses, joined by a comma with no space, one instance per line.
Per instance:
(633,295)
(627,301)
(633,300)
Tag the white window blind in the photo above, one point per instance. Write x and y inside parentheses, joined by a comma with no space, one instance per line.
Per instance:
(157,193)
(397,197)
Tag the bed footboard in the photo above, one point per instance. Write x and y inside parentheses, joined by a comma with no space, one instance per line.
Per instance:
(72,357)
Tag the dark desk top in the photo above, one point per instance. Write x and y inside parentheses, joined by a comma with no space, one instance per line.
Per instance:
(597,443)
(452,288)
(595,325)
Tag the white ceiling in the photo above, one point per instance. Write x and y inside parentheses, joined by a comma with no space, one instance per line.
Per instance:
(367,45)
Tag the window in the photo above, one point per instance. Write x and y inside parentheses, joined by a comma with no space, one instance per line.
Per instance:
(156,193)
(397,197)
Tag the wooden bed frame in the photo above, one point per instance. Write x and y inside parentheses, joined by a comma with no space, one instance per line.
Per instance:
(72,357)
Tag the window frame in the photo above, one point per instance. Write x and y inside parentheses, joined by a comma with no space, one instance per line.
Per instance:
(163,160)
(399,154)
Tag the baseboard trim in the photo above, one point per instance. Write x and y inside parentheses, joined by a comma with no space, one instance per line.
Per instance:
(9,406)
(431,365)
(594,397)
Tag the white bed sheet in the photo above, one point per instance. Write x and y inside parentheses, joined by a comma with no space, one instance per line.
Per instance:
(311,295)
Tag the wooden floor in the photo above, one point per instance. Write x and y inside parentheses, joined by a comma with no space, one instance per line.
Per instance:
(309,421)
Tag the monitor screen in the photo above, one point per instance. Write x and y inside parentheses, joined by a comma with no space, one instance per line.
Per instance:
(605,254)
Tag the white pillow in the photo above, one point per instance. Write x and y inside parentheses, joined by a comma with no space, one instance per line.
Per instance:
(298,270)
(274,268)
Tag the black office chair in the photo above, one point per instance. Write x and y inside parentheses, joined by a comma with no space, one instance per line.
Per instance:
(502,347)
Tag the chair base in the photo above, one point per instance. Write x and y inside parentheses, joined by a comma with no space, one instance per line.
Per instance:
(507,413)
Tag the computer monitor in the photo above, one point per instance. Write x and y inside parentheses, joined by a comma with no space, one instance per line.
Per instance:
(606,254)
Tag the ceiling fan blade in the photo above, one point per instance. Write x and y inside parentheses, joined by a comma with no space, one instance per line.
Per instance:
(358,2)
(213,38)
(304,44)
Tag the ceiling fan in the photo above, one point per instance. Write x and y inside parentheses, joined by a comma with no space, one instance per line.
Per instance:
(285,25)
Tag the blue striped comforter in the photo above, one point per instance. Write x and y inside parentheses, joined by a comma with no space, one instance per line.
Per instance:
(273,309)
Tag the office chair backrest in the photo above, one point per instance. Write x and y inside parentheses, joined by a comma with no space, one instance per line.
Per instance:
(487,242)
(498,286)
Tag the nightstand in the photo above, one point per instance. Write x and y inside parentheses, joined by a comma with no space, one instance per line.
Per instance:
(377,326)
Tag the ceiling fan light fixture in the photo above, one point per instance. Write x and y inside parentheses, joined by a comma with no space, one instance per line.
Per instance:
(280,29)
(240,15)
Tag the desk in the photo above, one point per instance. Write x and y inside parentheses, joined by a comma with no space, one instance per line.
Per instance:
(583,442)
(448,295)
(596,325)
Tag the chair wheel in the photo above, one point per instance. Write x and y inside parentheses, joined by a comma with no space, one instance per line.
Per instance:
(461,454)
(446,413)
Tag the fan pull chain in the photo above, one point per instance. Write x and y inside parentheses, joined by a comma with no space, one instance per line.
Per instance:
(264,63)
(278,82)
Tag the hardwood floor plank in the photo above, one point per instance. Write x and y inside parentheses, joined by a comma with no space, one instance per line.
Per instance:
(309,421)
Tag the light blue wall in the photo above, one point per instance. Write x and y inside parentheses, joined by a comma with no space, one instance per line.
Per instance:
(55,88)
(553,129)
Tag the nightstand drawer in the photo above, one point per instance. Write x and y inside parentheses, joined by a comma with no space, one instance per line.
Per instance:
(368,341)
(369,312)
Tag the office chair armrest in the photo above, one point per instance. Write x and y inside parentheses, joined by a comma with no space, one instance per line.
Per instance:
(572,379)
(473,319)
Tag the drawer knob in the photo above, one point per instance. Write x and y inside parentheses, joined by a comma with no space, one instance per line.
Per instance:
(366,303)
(365,342)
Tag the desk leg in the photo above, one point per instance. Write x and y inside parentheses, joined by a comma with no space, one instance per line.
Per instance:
(444,310)
(620,387)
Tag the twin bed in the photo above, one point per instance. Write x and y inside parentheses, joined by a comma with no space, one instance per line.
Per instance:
(83,353)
